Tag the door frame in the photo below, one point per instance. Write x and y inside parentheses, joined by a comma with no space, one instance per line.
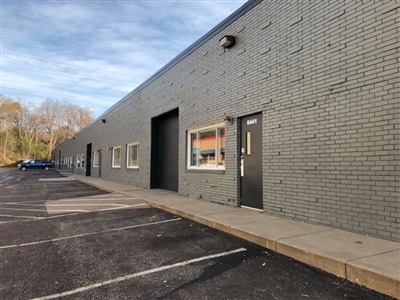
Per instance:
(239,143)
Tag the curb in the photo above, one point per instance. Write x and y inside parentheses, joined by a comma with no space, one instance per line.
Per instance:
(347,270)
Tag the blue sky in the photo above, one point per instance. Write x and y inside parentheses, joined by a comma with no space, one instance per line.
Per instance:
(93,53)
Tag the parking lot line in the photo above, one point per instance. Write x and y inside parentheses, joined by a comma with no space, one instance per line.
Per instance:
(88,234)
(131,276)
(12,216)
(45,210)
(41,218)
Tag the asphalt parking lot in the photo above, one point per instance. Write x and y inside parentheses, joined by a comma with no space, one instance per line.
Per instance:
(62,239)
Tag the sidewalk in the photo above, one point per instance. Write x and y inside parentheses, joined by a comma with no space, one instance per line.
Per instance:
(371,262)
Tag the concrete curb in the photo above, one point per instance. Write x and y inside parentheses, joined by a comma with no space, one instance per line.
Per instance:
(359,270)
(356,274)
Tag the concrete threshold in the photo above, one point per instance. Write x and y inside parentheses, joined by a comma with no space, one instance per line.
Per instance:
(367,261)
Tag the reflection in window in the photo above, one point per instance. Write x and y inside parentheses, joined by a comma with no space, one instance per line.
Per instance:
(116,157)
(132,156)
(207,148)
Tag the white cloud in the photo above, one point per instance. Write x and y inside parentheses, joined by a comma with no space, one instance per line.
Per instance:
(94,53)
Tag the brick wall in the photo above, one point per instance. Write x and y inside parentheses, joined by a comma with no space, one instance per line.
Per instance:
(324,74)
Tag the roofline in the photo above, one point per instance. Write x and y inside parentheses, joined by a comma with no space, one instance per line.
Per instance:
(249,5)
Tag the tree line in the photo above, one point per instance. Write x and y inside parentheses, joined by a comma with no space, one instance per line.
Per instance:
(31,131)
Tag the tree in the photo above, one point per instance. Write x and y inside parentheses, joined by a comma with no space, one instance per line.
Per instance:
(29,131)
(9,110)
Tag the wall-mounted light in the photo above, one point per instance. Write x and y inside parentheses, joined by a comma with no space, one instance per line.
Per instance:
(109,147)
(103,120)
(227,41)
(228,120)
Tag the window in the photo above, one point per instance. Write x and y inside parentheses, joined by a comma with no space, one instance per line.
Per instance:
(206,148)
(78,161)
(71,162)
(82,161)
(96,158)
(116,157)
(132,155)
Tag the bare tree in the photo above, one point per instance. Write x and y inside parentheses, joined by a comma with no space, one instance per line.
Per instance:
(51,120)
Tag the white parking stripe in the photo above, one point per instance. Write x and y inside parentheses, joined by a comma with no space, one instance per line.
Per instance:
(40,218)
(69,200)
(87,204)
(72,214)
(88,234)
(27,209)
(127,277)
(12,216)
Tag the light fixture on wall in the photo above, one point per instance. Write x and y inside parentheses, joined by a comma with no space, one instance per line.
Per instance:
(103,120)
(227,41)
(228,120)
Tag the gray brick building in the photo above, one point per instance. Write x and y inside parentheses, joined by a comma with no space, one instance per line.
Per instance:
(299,118)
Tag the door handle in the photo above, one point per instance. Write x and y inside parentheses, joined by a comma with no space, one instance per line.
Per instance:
(241,166)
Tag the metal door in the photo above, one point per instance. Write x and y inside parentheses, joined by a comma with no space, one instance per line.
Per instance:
(89,159)
(251,189)
(164,153)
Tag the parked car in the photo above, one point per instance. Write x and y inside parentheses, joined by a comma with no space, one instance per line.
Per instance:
(35,164)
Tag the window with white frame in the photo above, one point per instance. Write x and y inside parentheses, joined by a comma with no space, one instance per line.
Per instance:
(132,155)
(82,161)
(116,157)
(206,148)
(78,161)
(71,161)
(96,158)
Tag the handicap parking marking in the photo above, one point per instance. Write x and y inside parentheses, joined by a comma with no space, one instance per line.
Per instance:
(89,234)
(143,273)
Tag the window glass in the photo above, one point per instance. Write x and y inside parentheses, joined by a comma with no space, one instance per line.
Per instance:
(78,161)
(132,156)
(194,157)
(207,143)
(116,159)
(221,146)
(207,148)
(96,159)
(83,161)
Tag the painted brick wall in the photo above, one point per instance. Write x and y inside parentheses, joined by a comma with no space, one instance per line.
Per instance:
(325,76)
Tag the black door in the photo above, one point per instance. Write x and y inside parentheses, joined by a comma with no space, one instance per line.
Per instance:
(251,189)
(88,159)
(164,151)
(59,160)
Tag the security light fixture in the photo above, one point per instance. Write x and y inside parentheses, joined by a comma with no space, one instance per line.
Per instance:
(227,41)
(228,120)
(103,120)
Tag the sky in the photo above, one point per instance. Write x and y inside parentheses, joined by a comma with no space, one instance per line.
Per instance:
(93,53)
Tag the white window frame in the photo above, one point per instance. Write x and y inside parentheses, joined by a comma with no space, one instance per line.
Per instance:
(137,155)
(78,161)
(189,150)
(96,152)
(83,159)
(113,156)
